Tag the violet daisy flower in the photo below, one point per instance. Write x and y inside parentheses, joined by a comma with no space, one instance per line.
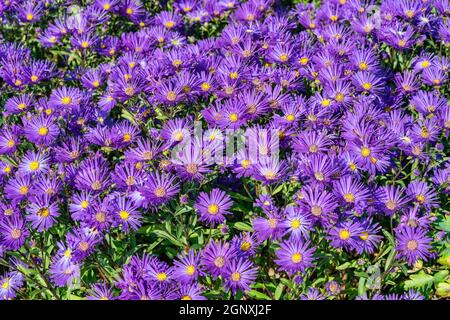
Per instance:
(239,274)
(294,256)
(42,213)
(216,255)
(213,206)
(13,232)
(413,244)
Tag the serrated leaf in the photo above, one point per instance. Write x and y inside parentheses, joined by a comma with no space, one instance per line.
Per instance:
(419,280)
(443,290)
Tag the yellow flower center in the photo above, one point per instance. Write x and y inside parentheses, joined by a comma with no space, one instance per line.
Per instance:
(367,86)
(290,117)
(129,11)
(85,44)
(425,64)
(160,192)
(169,24)
(106,6)
(349,197)
(161,276)
(233,117)
(295,224)
(339,97)
(420,198)
(34,165)
(303,61)
(30,17)
(284,57)
(213,209)
(245,246)
(66,100)
(23,190)
(129,91)
(43,131)
(236,276)
(205,86)
(178,135)
(233,75)
(363,66)
(34,78)
(124,215)
(344,234)
(11,143)
(171,96)
(245,163)
(297,257)
(84,204)
(190,270)
(365,152)
(44,212)
(364,235)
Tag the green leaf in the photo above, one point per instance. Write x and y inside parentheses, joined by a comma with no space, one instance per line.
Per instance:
(243,226)
(258,295)
(419,280)
(279,291)
(343,266)
(361,286)
(445,224)
(169,237)
(440,276)
(443,289)
(389,259)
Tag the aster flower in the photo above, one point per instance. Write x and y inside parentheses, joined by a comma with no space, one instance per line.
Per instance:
(294,256)
(100,291)
(391,199)
(413,244)
(212,207)
(345,235)
(9,284)
(190,292)
(297,224)
(215,256)
(312,294)
(159,188)
(41,130)
(42,213)
(34,163)
(239,274)
(187,268)
(13,232)
(126,214)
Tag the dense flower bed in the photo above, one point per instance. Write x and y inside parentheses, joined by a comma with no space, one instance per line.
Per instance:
(103,195)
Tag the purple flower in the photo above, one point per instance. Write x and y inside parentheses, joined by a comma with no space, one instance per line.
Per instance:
(213,206)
